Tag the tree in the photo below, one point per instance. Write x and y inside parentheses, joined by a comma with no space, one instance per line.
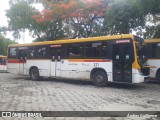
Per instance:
(123,17)
(20,17)
(78,18)
(4,42)
(152,32)
(151,11)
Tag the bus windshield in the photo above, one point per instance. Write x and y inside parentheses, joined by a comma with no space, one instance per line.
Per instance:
(140,54)
(140,50)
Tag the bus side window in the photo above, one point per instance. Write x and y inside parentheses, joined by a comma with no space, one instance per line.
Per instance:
(41,51)
(104,50)
(75,50)
(31,52)
(148,51)
(92,49)
(88,50)
(153,54)
(157,50)
(57,50)
(96,50)
(22,54)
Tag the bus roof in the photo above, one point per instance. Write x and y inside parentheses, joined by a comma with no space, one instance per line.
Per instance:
(152,40)
(2,56)
(114,37)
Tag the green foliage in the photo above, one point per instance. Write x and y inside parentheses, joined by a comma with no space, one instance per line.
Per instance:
(3,45)
(150,6)
(20,15)
(123,17)
(153,19)
(152,32)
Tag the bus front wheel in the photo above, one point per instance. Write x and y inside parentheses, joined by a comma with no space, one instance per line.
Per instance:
(34,74)
(100,79)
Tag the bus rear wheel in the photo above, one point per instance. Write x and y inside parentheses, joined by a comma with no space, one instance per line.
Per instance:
(100,79)
(34,74)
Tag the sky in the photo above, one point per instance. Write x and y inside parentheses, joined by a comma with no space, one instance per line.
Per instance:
(3,22)
(3,6)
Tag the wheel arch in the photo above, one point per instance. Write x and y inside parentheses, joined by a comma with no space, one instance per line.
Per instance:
(31,68)
(95,70)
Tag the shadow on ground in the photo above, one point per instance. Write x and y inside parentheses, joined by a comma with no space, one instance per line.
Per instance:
(153,81)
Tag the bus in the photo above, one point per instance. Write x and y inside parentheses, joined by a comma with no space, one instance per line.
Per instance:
(116,58)
(3,66)
(153,56)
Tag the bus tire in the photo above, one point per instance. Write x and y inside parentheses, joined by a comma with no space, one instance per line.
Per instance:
(100,79)
(34,74)
(158,75)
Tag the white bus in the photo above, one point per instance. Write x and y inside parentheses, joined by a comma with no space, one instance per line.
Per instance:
(100,59)
(3,66)
(153,55)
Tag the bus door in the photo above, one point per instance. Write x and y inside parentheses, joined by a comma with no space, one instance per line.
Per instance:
(22,57)
(122,62)
(56,55)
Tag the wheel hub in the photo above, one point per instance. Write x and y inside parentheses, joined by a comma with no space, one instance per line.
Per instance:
(99,78)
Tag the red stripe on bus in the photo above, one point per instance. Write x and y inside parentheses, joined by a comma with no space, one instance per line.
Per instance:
(15,61)
(78,60)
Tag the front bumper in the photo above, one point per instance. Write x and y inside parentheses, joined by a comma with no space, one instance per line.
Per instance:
(147,78)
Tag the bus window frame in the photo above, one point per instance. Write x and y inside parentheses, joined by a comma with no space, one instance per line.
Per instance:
(47,55)
(63,51)
(71,55)
(151,50)
(13,57)
(3,60)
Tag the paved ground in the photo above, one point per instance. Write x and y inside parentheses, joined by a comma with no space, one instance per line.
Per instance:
(21,94)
